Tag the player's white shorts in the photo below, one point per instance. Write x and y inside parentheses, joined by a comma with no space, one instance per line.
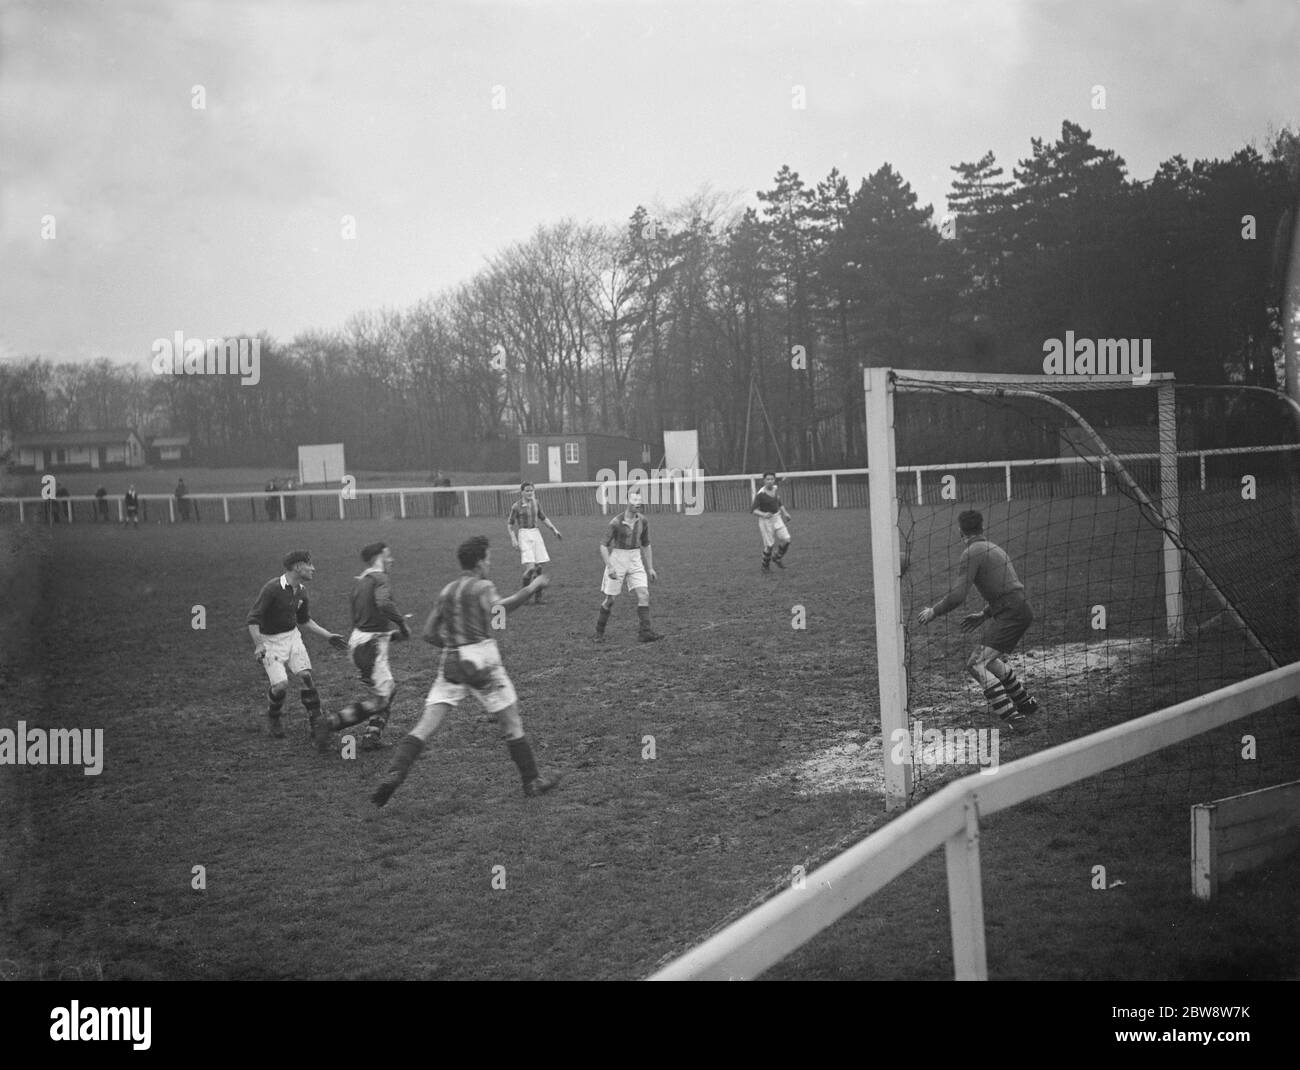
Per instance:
(381,676)
(773,530)
(627,565)
(495,693)
(281,650)
(532,551)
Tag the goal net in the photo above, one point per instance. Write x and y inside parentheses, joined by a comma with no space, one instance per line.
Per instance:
(1156,530)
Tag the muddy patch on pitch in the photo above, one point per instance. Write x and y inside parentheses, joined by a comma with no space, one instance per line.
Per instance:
(853,762)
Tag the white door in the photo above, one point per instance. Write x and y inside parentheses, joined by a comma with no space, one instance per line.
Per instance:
(555,474)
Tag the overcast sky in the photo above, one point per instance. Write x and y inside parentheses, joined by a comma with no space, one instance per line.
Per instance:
(225,220)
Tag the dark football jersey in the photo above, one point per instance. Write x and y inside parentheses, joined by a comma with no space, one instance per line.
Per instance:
(373,609)
(280,607)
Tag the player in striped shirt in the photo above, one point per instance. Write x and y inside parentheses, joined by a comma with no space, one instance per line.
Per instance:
(461,627)
(525,537)
(626,552)
(985,566)
(771,522)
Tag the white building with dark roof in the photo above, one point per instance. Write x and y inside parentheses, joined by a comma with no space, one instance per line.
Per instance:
(62,451)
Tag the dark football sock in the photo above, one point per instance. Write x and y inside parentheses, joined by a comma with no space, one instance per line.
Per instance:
(378,720)
(275,702)
(379,710)
(780,550)
(408,750)
(310,699)
(602,619)
(403,758)
(643,612)
(521,753)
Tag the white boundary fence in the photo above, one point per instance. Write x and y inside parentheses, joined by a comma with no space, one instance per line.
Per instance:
(951,819)
(831,488)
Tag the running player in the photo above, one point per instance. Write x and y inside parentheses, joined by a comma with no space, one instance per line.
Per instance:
(374,615)
(273,623)
(986,565)
(525,537)
(461,627)
(626,543)
(771,522)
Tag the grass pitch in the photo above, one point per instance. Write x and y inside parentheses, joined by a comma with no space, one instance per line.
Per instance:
(631,861)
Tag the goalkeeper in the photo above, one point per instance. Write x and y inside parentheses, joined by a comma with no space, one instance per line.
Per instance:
(273,623)
(986,565)
(461,625)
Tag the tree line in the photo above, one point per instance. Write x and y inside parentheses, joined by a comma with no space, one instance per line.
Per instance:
(751,324)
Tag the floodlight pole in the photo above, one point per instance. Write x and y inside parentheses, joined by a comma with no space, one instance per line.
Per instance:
(887,582)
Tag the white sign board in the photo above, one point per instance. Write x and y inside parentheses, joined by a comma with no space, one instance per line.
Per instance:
(682,451)
(321,464)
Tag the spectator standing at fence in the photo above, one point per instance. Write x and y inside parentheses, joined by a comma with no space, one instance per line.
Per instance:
(131,503)
(443,503)
(62,509)
(272,500)
(290,502)
(101,503)
(182,499)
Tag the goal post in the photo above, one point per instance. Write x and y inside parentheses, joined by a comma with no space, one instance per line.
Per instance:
(880,386)
(886,576)
(1093,538)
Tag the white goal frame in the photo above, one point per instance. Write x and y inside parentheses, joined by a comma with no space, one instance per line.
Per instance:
(879,386)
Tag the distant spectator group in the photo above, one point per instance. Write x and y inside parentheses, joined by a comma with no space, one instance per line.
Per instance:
(58,508)
(55,509)
(280,502)
(275,494)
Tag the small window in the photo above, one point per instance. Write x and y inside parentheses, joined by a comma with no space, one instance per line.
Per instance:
(570,453)
(534,453)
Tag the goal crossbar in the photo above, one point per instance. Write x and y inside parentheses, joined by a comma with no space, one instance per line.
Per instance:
(1056,382)
(1166,520)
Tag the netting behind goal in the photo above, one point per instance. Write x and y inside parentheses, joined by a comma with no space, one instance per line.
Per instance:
(1089,535)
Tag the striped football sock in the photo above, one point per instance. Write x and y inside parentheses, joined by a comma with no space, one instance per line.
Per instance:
(1023,700)
(1000,703)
